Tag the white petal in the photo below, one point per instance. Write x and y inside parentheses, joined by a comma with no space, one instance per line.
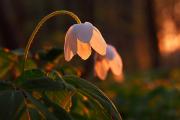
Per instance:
(83,49)
(84,31)
(97,42)
(116,64)
(70,45)
(101,68)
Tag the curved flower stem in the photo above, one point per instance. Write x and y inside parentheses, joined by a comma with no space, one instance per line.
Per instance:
(39,25)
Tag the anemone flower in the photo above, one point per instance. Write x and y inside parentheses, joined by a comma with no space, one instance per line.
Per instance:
(111,60)
(80,38)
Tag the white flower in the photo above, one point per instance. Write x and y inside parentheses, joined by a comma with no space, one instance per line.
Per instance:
(79,40)
(111,60)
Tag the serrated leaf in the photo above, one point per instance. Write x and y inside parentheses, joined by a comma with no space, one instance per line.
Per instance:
(93,92)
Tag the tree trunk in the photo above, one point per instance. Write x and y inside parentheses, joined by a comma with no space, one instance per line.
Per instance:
(152,30)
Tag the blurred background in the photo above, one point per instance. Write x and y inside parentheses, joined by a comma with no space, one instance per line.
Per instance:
(146,33)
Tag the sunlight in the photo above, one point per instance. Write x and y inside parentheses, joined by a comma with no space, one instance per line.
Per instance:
(169,39)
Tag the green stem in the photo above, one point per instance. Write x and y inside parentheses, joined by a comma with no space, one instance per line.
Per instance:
(39,25)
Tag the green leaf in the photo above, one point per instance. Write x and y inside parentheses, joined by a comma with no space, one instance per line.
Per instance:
(21,112)
(34,115)
(59,112)
(5,85)
(93,92)
(30,74)
(43,83)
(30,64)
(67,70)
(63,97)
(94,109)
(37,80)
(41,107)
(85,108)
(10,102)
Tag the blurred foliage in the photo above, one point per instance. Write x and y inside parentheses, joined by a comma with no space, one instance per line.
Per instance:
(48,91)
(151,95)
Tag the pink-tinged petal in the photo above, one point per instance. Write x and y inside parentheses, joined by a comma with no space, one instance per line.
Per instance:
(70,45)
(116,64)
(83,49)
(101,68)
(84,31)
(97,42)
(110,54)
(119,78)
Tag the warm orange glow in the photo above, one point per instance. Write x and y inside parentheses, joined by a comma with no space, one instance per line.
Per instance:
(169,39)
(119,78)
(6,50)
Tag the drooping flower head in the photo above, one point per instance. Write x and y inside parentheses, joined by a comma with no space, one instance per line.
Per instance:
(111,60)
(79,40)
